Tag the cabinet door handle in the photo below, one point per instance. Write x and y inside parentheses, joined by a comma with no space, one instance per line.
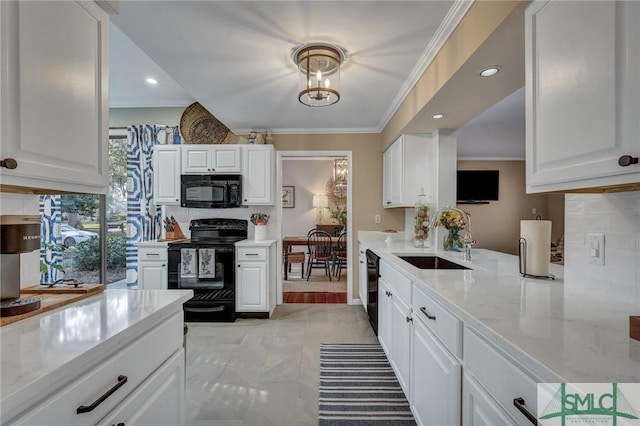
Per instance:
(427,314)
(627,160)
(163,265)
(409,319)
(361,261)
(519,403)
(388,202)
(119,424)
(86,408)
(9,163)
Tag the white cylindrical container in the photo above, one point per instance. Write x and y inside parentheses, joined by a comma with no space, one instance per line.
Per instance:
(260,232)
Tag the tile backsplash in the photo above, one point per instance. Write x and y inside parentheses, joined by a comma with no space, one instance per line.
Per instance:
(617,216)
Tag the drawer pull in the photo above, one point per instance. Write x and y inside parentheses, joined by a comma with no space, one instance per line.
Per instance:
(252,254)
(519,403)
(427,314)
(86,408)
(153,254)
(627,160)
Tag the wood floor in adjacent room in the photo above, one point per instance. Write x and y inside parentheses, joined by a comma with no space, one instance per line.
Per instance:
(317,290)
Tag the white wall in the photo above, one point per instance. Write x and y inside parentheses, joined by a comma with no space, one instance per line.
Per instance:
(24,204)
(618,217)
(309,177)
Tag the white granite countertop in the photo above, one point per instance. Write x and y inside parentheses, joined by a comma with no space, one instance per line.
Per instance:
(55,346)
(557,333)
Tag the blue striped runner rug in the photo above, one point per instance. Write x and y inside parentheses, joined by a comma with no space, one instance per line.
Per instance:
(358,387)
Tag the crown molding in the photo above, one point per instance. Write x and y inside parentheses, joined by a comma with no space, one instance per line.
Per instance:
(319,131)
(446,28)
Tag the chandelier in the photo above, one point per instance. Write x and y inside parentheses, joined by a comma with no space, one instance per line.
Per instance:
(340,172)
(319,73)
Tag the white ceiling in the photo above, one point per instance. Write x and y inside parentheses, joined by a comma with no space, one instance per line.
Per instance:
(234,58)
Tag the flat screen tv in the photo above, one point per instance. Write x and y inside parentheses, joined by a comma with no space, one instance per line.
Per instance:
(477,186)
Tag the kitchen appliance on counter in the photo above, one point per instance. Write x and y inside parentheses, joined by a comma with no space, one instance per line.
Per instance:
(206,264)
(373,273)
(211,191)
(18,234)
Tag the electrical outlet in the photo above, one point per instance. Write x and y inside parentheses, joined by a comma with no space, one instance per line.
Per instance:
(377,218)
(534,211)
(595,248)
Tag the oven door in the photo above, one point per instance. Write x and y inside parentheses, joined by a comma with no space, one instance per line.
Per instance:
(201,266)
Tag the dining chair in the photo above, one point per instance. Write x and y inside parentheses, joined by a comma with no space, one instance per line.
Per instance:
(340,255)
(295,257)
(320,252)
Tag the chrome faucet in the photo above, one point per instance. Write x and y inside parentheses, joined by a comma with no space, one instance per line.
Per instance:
(467,240)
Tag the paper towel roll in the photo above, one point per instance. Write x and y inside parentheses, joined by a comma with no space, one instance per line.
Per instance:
(537,234)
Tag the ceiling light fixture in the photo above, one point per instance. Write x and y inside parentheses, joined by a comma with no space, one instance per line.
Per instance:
(152,81)
(438,116)
(319,73)
(488,72)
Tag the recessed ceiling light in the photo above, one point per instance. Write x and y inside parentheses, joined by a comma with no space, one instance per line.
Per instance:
(152,81)
(438,116)
(488,72)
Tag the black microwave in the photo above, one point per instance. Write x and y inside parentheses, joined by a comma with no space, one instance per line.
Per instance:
(211,191)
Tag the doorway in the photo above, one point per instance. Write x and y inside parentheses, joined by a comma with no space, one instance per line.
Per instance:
(317,196)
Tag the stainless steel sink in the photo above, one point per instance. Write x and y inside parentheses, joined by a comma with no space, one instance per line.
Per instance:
(431,262)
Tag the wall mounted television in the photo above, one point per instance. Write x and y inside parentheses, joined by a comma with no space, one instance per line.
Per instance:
(477,186)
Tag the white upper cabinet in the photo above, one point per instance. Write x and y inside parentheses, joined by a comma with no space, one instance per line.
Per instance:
(219,159)
(166,174)
(408,167)
(583,94)
(54,104)
(257,187)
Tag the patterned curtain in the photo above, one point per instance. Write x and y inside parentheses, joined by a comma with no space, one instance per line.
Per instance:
(51,219)
(143,216)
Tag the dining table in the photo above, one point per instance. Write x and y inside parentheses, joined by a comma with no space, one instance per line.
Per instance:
(290,241)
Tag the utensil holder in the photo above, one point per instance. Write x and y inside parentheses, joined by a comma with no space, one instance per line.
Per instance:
(260,232)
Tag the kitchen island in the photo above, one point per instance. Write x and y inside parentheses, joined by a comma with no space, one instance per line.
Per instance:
(491,320)
(56,363)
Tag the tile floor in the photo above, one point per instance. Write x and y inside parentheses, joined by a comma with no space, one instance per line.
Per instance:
(265,372)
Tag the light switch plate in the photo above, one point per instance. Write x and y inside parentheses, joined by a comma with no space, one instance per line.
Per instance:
(595,248)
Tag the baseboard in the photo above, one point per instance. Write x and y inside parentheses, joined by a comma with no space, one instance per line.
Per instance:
(356,302)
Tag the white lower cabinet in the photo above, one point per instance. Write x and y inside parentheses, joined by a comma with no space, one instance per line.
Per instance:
(255,278)
(152,268)
(252,287)
(362,275)
(478,408)
(130,376)
(159,401)
(400,342)
(435,380)
(385,305)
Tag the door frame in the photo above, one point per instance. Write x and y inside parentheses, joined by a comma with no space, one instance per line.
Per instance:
(282,155)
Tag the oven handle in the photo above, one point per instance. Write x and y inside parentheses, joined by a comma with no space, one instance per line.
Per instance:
(215,309)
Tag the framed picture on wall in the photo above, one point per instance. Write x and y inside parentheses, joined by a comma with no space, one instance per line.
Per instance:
(288,197)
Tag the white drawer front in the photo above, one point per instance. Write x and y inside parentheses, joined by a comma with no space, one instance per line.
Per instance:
(252,253)
(441,322)
(147,253)
(136,362)
(504,380)
(400,285)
